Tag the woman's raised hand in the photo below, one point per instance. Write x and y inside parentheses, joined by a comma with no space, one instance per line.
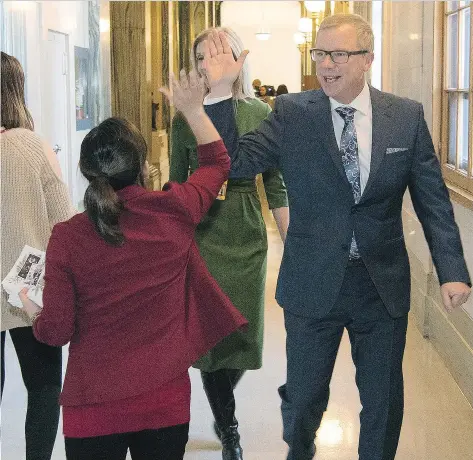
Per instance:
(187,93)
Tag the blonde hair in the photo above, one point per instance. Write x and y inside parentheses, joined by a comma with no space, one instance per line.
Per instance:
(242,87)
(364,32)
(14,112)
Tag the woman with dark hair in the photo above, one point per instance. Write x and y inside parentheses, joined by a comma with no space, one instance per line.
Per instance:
(232,239)
(265,95)
(126,286)
(33,199)
(282,89)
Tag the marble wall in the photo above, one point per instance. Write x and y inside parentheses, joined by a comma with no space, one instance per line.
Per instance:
(409,69)
(130,57)
(105,109)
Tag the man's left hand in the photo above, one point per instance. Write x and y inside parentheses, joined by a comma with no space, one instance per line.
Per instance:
(454,294)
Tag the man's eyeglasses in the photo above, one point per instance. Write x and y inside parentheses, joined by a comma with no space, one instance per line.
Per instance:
(337,57)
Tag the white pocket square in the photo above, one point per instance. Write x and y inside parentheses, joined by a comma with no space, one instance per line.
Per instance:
(390,150)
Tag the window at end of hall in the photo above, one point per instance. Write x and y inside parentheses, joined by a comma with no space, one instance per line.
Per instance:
(457,103)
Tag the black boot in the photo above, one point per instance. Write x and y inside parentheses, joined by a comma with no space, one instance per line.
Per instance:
(219,389)
(235,376)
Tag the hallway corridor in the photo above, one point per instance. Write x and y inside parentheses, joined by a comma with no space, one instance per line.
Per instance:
(438,423)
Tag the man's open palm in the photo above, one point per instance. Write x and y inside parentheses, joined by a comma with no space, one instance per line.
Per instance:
(220,66)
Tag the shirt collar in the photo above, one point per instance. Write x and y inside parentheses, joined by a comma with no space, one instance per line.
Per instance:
(361,103)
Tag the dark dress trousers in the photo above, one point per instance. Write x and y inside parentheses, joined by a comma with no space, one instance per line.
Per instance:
(320,290)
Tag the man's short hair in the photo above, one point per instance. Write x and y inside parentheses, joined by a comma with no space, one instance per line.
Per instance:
(364,31)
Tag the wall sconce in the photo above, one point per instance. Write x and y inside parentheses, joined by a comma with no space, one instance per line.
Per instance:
(305,25)
(299,38)
(315,7)
(312,14)
(304,34)
(316,10)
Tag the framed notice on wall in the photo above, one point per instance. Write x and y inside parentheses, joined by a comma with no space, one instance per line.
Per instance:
(84,119)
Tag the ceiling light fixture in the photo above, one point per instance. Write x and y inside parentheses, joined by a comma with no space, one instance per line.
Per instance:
(263,34)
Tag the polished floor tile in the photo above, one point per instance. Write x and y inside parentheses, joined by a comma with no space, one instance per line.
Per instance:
(438,422)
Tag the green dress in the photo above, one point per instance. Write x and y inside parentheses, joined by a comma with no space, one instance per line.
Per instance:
(232,240)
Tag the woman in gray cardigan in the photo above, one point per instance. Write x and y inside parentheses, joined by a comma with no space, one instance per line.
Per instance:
(34,198)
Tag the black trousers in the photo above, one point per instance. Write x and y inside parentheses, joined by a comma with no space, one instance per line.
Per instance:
(377,342)
(163,444)
(41,368)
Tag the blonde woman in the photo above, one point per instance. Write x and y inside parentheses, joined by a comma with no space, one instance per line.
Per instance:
(232,240)
(33,199)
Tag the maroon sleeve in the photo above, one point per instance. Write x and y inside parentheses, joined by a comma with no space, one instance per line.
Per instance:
(55,325)
(202,187)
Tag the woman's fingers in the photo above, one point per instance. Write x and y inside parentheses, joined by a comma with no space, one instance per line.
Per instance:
(187,92)
(23,293)
(166,92)
(174,84)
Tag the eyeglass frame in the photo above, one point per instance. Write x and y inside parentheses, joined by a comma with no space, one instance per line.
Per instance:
(329,53)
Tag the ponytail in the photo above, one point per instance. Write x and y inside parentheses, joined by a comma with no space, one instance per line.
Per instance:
(103,207)
(112,157)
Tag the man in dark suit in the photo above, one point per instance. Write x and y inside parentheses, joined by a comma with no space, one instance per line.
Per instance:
(348,153)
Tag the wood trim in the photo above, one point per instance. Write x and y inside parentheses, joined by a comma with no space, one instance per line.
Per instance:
(460,8)
(460,196)
(459,184)
(386,66)
(470,151)
(444,119)
(437,106)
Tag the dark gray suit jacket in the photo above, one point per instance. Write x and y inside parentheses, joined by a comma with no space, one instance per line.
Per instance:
(298,138)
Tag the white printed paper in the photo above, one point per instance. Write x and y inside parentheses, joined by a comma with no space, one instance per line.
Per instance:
(28,271)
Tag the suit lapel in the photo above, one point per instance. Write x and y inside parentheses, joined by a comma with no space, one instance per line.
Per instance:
(320,111)
(381,134)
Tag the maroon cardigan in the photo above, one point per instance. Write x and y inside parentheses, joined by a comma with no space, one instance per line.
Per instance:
(136,316)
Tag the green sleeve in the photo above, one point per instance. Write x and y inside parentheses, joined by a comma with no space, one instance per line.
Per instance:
(179,159)
(274,184)
(275,188)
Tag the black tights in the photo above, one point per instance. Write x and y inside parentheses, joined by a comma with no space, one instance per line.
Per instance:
(163,444)
(41,367)
(235,375)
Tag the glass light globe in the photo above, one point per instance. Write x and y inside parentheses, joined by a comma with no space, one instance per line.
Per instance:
(305,25)
(299,38)
(315,7)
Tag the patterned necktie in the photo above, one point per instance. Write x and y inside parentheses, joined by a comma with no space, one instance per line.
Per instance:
(351,163)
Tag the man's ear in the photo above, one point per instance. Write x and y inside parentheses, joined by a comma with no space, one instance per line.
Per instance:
(369,57)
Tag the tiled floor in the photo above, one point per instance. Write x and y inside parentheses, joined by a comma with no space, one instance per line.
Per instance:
(438,423)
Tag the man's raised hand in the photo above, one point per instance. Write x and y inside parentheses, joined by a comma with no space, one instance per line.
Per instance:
(220,65)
